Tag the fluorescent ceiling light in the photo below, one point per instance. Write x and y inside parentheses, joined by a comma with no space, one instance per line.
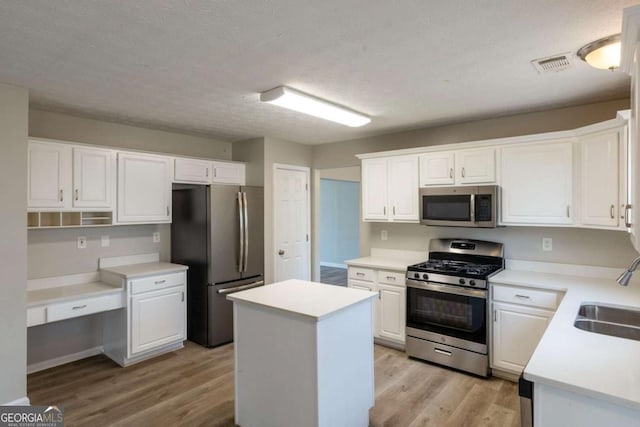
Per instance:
(307,104)
(603,53)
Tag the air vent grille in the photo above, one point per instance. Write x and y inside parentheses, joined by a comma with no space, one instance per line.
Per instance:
(553,63)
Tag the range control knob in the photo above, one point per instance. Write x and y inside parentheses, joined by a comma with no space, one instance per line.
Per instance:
(416,275)
(472,282)
(425,276)
(462,281)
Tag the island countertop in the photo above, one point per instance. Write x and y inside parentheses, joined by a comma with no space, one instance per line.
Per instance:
(313,300)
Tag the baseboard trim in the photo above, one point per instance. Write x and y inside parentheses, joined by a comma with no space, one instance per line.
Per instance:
(23,401)
(333,264)
(68,358)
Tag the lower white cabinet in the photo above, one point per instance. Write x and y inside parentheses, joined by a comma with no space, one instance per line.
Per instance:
(155,319)
(389,310)
(519,318)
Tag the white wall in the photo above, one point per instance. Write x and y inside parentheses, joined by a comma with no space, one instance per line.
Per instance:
(14,114)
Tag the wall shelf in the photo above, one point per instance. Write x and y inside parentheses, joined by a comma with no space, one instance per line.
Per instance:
(60,219)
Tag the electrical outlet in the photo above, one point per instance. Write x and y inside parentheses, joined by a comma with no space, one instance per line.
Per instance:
(82,242)
(104,241)
(547,244)
(156,237)
(384,235)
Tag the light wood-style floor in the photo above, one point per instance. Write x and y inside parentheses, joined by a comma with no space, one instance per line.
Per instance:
(194,387)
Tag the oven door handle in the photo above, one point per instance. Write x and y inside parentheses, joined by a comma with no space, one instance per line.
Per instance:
(447,289)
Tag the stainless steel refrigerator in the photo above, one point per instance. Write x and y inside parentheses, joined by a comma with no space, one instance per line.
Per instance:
(218,231)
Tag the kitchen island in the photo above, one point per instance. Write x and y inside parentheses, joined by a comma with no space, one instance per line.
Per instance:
(303,355)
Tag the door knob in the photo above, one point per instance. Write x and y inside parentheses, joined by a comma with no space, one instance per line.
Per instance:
(280,252)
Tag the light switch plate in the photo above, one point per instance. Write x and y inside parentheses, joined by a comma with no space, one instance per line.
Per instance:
(104,241)
(156,237)
(82,242)
(547,244)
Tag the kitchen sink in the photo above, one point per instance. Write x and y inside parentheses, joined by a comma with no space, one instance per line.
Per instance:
(622,322)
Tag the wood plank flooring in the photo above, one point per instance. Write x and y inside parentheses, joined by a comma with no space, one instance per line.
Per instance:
(333,275)
(194,387)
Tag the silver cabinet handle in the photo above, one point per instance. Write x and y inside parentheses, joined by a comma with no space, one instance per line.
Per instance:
(167,210)
(159,282)
(61,195)
(463,172)
(76,194)
(568,211)
(379,294)
(495,315)
(522,296)
(215,172)
(78,307)
(450,172)
(357,274)
(627,222)
(611,208)
(443,352)
(384,210)
(182,296)
(394,211)
(206,172)
(391,278)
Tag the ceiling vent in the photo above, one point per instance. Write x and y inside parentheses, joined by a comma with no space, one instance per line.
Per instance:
(554,63)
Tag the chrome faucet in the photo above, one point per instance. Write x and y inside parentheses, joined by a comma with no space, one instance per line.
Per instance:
(624,278)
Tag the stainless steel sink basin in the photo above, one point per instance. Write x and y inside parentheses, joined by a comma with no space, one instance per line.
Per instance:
(622,322)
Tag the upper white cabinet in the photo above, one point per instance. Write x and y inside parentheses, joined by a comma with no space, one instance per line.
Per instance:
(192,171)
(537,183)
(601,162)
(390,189)
(144,188)
(228,173)
(49,175)
(63,176)
(93,177)
(474,166)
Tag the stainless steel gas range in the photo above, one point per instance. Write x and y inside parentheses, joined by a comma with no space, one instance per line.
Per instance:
(447,296)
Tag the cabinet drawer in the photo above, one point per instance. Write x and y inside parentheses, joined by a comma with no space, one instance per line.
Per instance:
(362,274)
(82,307)
(154,283)
(391,277)
(526,296)
(36,316)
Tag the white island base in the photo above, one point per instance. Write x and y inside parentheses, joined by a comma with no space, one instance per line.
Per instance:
(303,355)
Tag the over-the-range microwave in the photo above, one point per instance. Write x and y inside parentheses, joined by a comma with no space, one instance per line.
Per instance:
(460,206)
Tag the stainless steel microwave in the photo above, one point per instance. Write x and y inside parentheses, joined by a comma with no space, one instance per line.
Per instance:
(472,206)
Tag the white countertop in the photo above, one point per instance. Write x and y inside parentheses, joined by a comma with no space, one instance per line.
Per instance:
(313,300)
(69,292)
(583,362)
(132,271)
(388,259)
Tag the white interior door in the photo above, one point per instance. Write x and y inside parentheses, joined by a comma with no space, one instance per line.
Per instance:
(291,223)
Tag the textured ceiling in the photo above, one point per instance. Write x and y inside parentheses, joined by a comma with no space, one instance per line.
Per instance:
(198,66)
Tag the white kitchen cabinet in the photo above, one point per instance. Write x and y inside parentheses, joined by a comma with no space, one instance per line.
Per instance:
(537,183)
(49,175)
(93,177)
(228,173)
(600,163)
(144,188)
(192,171)
(390,189)
(474,166)
(520,317)
(157,318)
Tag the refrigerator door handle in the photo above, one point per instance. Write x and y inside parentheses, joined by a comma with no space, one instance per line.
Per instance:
(246,232)
(241,229)
(228,291)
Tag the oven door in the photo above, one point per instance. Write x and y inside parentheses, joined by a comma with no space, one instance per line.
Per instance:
(452,315)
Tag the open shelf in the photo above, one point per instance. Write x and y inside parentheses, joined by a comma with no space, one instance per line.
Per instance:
(59,219)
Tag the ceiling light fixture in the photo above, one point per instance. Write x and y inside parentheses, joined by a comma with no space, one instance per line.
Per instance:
(298,101)
(603,53)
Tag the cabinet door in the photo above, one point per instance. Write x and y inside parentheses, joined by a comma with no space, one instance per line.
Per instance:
(476,166)
(599,172)
(392,309)
(516,333)
(192,170)
(228,173)
(403,188)
(144,188)
(437,168)
(537,184)
(371,287)
(92,177)
(375,189)
(157,318)
(48,175)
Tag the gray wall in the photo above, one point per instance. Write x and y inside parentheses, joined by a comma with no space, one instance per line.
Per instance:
(577,246)
(14,113)
(251,152)
(339,221)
